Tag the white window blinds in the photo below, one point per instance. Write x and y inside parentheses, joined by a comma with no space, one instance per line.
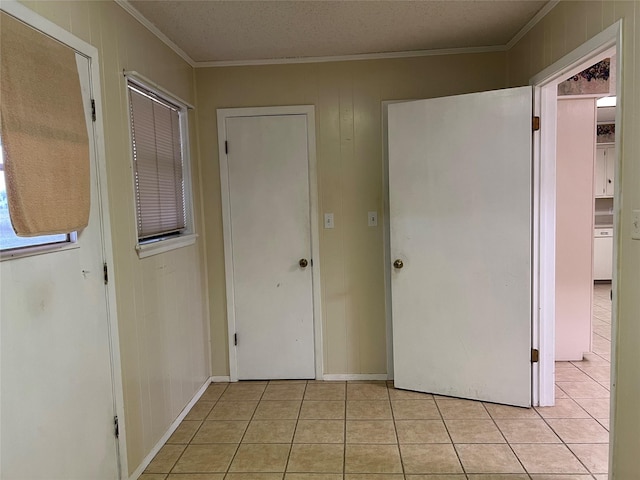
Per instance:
(158,164)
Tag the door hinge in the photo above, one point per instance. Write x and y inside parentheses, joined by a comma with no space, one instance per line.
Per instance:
(235,339)
(226,147)
(93,110)
(536,124)
(105,269)
(116,427)
(535,355)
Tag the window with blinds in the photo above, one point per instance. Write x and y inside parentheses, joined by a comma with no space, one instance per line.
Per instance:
(158,164)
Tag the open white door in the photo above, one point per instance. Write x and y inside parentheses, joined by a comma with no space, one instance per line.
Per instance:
(460,220)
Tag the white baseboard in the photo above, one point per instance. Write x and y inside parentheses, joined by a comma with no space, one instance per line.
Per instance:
(354,376)
(220,378)
(147,460)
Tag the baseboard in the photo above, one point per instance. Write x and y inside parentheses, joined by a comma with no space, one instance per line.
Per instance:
(354,376)
(220,378)
(147,460)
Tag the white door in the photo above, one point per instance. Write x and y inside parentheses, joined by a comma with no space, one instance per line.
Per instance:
(460,215)
(57,395)
(268,172)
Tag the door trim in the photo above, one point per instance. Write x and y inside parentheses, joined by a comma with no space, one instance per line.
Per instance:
(40,23)
(544,202)
(309,112)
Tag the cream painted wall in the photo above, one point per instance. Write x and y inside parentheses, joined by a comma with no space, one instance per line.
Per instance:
(162,306)
(567,26)
(347,97)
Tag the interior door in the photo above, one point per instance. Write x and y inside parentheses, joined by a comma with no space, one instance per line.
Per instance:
(57,391)
(460,217)
(268,172)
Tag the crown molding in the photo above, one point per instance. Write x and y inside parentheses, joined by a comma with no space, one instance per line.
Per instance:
(550,5)
(131,10)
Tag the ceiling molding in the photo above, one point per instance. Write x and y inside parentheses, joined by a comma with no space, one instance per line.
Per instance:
(532,23)
(153,29)
(339,58)
(346,58)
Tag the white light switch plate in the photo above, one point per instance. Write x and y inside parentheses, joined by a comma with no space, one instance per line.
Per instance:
(328,220)
(372,219)
(635,225)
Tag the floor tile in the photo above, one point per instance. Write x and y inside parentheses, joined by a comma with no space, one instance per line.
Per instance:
(205,458)
(367,391)
(277,410)
(559,393)
(596,407)
(397,394)
(371,431)
(474,431)
(200,410)
(322,410)
(325,391)
(253,476)
(579,430)
(604,422)
(374,476)
(571,375)
(316,458)
(547,458)
(372,459)
(430,458)
(270,431)
(505,411)
(313,476)
(415,410)
(243,392)
(561,477)
(487,458)
(153,476)
(436,477)
(194,476)
(277,391)
(220,431)
(319,431)
(165,459)
(422,431)
(214,392)
(185,431)
(564,408)
(594,456)
(526,430)
(369,410)
(265,457)
(458,409)
(498,476)
(233,411)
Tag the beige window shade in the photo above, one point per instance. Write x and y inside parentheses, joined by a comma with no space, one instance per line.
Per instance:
(157,159)
(44,132)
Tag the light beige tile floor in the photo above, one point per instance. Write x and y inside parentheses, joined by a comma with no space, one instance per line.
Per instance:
(370,431)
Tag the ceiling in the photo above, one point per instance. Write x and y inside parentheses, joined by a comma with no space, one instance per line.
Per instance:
(239,30)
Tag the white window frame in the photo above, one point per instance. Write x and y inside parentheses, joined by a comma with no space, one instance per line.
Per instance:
(146,248)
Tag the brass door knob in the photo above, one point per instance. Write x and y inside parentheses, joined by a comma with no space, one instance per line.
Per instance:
(303,262)
(398,264)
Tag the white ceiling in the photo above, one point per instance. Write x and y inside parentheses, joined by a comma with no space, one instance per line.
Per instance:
(239,30)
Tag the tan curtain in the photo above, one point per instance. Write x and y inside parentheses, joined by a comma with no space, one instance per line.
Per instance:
(44,132)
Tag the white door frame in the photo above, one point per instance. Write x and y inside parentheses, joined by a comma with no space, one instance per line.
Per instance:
(544,201)
(309,112)
(31,18)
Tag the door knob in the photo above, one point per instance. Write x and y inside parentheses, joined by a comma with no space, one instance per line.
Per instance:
(398,264)
(303,262)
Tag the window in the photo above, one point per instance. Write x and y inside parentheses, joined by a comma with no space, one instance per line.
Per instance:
(160,169)
(10,244)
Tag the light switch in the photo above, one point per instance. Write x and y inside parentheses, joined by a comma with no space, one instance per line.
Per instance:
(328,220)
(635,225)
(372,219)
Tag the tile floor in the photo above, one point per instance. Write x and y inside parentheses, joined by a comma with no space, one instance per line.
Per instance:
(299,430)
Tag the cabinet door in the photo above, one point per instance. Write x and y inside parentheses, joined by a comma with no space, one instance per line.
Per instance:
(599,187)
(603,256)
(610,166)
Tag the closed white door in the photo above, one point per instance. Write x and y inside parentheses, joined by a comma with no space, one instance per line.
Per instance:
(460,215)
(268,174)
(57,390)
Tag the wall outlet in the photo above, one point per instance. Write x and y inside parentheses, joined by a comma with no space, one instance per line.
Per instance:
(635,225)
(328,220)
(372,219)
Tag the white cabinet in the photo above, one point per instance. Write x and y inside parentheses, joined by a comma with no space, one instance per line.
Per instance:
(603,254)
(605,168)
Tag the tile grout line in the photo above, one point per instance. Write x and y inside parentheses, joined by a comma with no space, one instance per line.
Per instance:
(453,445)
(395,429)
(295,430)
